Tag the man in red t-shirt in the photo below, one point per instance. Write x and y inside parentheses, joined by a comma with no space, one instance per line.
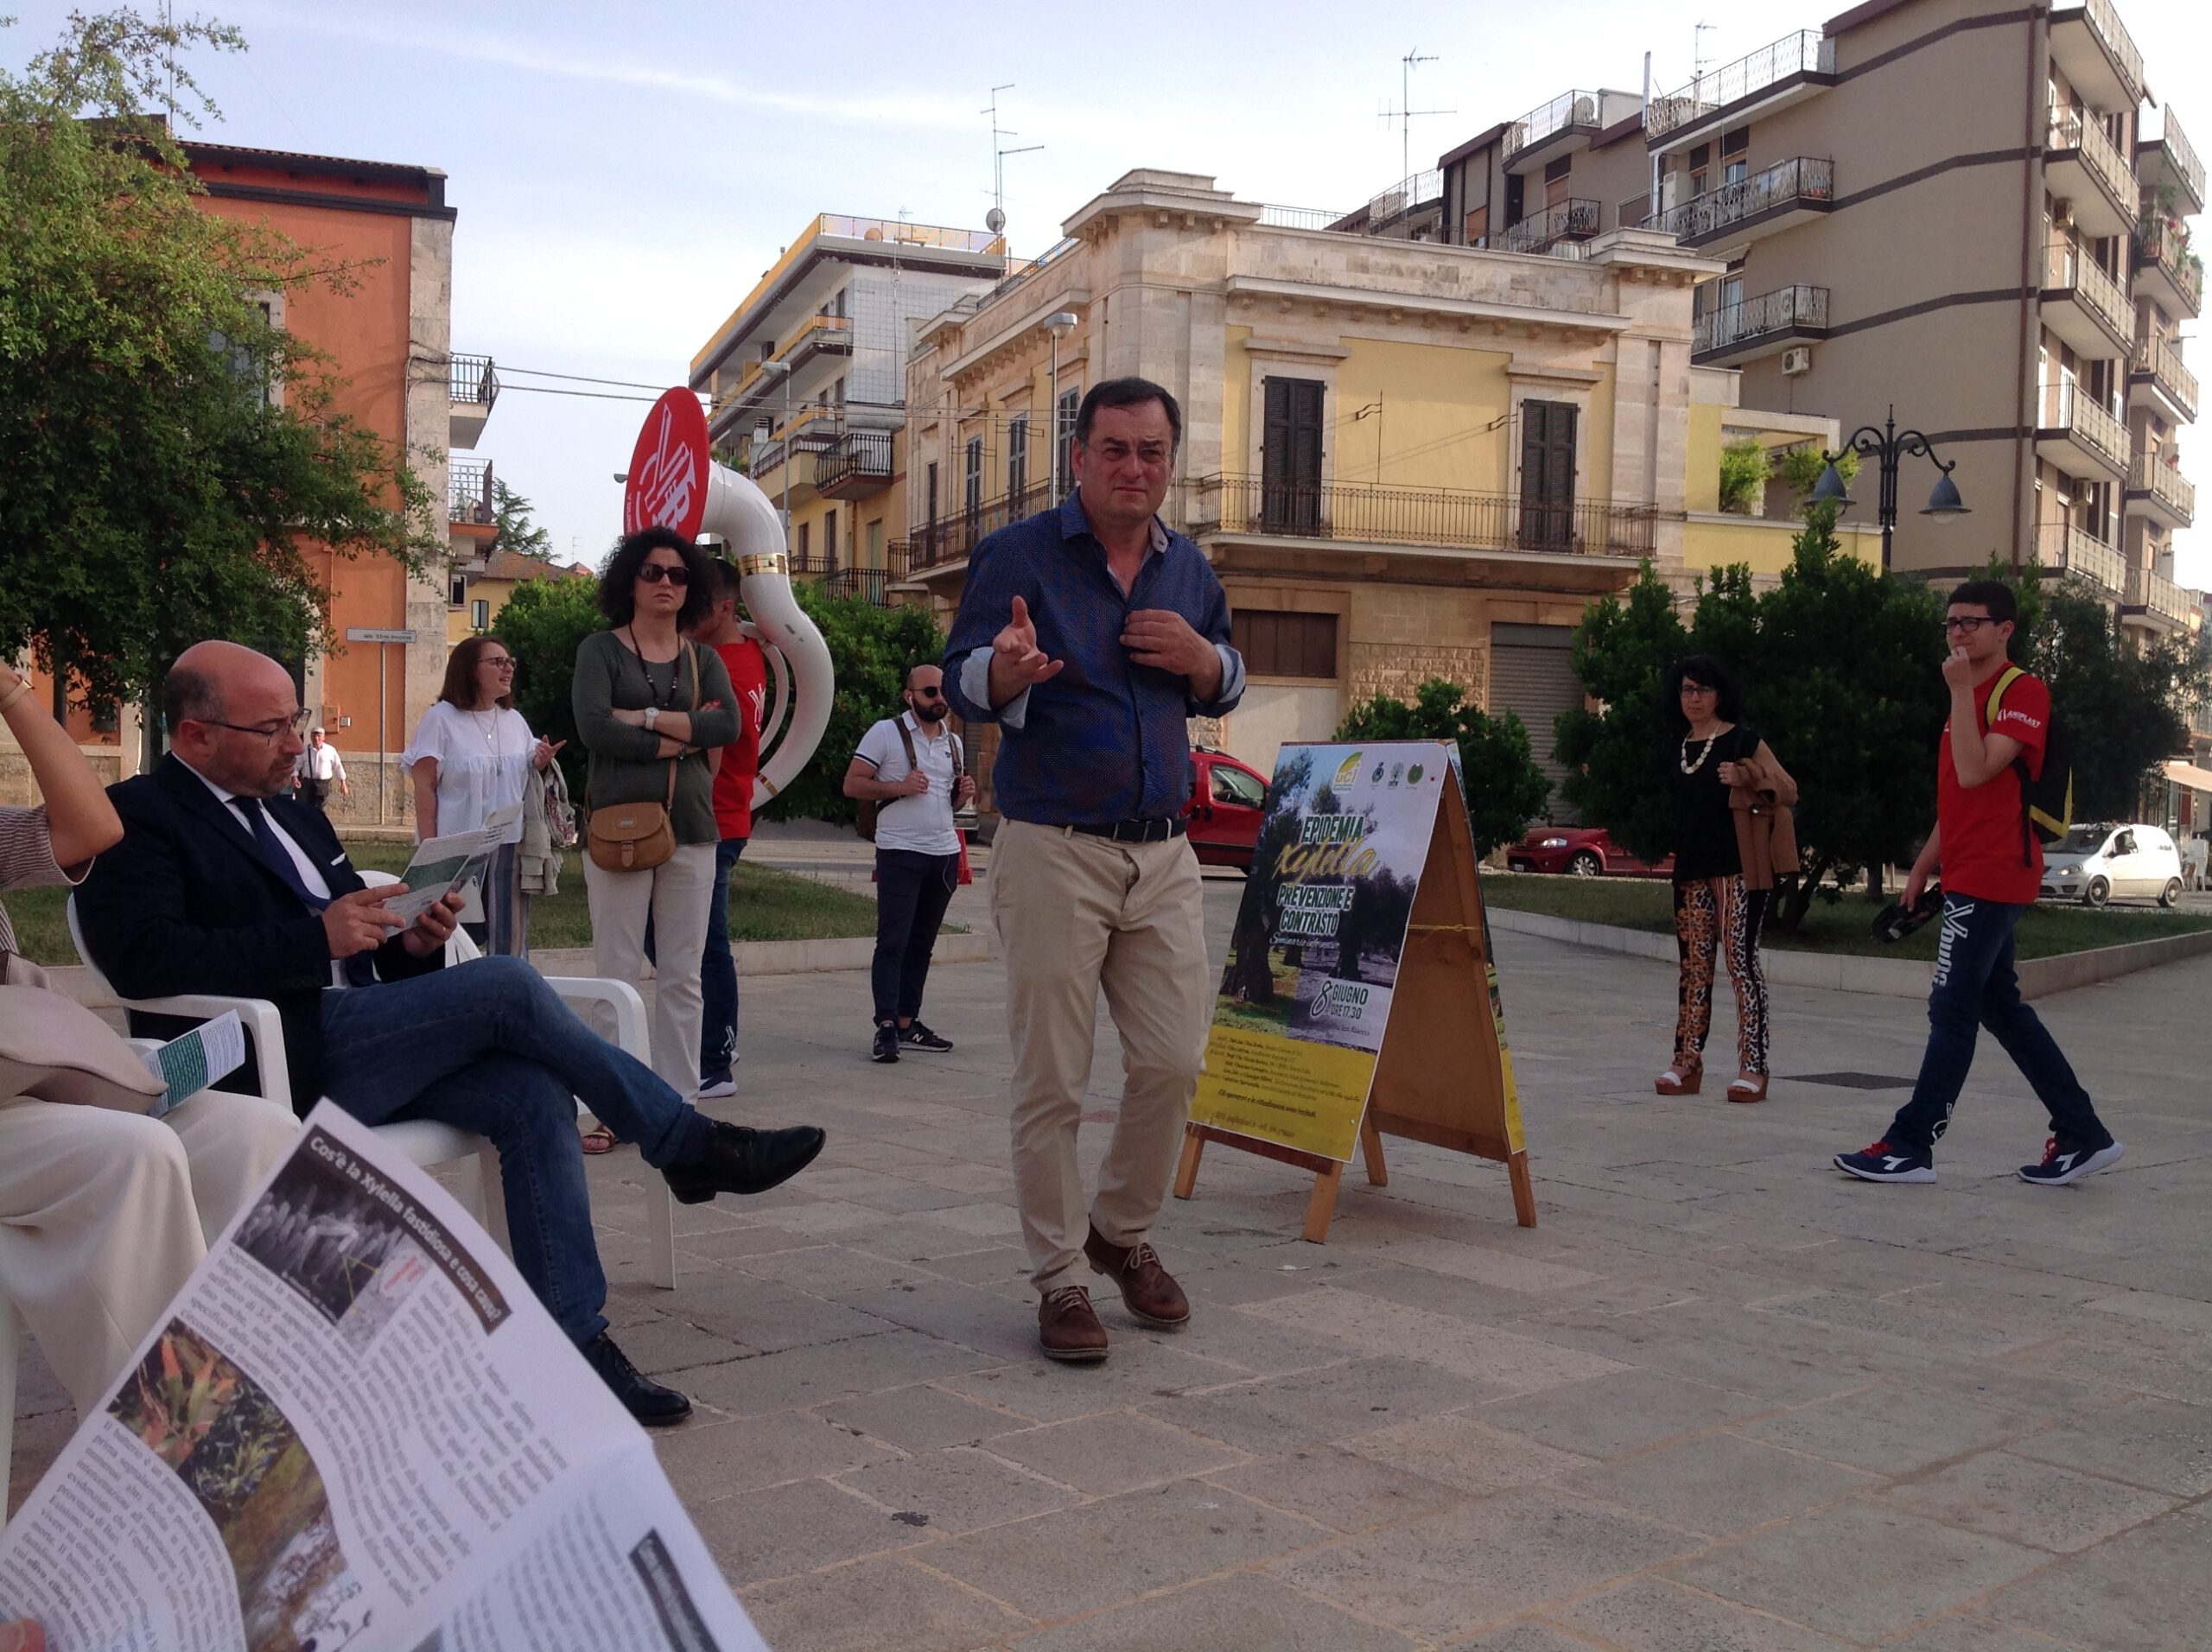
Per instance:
(1992,866)
(736,764)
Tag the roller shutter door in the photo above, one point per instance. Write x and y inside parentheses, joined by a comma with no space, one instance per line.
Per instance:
(1532,675)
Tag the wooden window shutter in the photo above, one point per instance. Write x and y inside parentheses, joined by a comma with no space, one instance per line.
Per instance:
(1547,475)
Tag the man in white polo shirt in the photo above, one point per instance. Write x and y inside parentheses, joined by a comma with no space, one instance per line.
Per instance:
(912,767)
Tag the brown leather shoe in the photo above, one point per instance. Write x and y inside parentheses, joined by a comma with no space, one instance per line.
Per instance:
(1068,1330)
(1147,1290)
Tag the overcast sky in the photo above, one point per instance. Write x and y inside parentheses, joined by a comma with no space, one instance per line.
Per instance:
(624,175)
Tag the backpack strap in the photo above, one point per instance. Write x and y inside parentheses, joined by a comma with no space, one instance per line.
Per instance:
(2005,679)
(906,739)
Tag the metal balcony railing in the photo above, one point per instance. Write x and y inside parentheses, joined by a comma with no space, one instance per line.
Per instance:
(2066,407)
(867,583)
(1753,317)
(2180,155)
(817,331)
(472,379)
(2150,474)
(1407,195)
(2162,241)
(1804,52)
(2160,358)
(1570,220)
(2064,548)
(468,491)
(2068,268)
(950,538)
(2105,24)
(857,455)
(2079,129)
(1301,217)
(1419,516)
(2158,594)
(1568,109)
(1787,183)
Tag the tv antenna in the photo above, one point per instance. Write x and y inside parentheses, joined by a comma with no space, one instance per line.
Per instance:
(1405,114)
(1698,59)
(994,221)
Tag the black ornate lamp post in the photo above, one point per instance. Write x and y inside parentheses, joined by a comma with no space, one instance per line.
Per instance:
(1887,445)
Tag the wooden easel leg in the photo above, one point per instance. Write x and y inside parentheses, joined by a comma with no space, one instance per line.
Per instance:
(1186,1172)
(1524,1190)
(1323,1204)
(1370,1148)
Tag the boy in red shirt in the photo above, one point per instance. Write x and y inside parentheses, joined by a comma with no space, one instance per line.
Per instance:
(739,761)
(1993,866)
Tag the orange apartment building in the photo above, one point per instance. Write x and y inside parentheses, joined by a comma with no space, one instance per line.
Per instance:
(387,343)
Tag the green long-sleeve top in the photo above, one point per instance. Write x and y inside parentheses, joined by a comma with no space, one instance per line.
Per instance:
(626,767)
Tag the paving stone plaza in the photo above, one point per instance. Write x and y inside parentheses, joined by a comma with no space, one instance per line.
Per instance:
(1720,1397)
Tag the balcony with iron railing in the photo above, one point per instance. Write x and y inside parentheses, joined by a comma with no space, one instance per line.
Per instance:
(855,465)
(1577,115)
(1405,201)
(2155,594)
(950,538)
(1570,220)
(2162,259)
(1277,217)
(812,336)
(2071,426)
(2090,44)
(1794,58)
(1776,196)
(2158,484)
(1753,325)
(1443,518)
(468,494)
(2170,157)
(2158,362)
(2083,304)
(472,386)
(2062,548)
(2077,151)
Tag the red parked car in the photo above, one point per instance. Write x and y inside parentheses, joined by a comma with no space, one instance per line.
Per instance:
(1227,800)
(1581,851)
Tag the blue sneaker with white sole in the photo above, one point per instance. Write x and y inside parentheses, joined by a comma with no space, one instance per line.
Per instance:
(1883,1163)
(2064,1162)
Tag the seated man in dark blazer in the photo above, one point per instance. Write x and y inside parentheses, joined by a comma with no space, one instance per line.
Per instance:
(224,884)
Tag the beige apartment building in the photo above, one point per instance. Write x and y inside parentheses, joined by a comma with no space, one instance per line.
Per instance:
(807,381)
(1405,461)
(1951,206)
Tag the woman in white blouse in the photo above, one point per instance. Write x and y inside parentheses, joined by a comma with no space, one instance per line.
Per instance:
(473,753)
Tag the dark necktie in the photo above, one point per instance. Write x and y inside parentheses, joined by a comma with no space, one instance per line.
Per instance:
(360,970)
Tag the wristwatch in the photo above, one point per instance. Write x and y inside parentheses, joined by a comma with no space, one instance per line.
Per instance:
(653,716)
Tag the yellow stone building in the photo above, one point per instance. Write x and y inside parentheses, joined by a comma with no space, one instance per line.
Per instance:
(1404,459)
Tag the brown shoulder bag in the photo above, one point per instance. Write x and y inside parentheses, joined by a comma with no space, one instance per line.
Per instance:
(639,836)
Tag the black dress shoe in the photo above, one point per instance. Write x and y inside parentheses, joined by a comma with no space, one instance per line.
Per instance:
(643,1398)
(739,1160)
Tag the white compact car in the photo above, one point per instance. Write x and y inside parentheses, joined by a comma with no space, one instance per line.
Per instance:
(2096,864)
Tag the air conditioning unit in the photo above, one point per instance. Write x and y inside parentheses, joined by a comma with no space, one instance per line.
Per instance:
(1798,358)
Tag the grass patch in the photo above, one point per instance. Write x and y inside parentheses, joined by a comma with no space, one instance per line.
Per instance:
(764,904)
(1841,927)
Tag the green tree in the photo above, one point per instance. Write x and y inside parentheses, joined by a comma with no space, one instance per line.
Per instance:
(1744,472)
(518,531)
(169,459)
(1498,775)
(2121,706)
(543,624)
(871,650)
(1622,651)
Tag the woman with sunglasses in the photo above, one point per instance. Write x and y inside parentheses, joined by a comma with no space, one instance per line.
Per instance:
(650,705)
(473,753)
(1731,835)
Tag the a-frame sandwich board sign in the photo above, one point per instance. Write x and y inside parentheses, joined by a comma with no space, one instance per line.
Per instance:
(1360,996)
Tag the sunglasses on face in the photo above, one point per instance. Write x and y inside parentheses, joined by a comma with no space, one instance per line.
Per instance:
(654,573)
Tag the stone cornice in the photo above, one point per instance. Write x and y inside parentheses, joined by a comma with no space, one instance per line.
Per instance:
(1422,306)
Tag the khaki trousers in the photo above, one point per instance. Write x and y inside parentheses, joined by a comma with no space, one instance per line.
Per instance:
(1075,914)
(677,893)
(103,1215)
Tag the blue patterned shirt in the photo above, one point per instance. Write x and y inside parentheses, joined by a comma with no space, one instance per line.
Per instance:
(1104,740)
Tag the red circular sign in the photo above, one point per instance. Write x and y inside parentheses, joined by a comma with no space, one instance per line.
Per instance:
(668,467)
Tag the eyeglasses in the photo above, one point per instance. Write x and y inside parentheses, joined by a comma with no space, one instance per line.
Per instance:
(296,724)
(654,573)
(1968,623)
(1699,687)
(498,664)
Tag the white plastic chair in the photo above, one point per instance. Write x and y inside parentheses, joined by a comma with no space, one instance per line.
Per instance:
(423,1141)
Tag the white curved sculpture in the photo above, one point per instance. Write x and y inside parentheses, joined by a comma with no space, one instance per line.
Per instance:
(672,481)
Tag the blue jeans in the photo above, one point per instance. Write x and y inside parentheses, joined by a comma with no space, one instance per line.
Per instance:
(718,975)
(1975,984)
(487,1046)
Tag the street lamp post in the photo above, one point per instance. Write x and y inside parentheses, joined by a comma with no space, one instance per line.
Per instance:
(1887,445)
(1060,322)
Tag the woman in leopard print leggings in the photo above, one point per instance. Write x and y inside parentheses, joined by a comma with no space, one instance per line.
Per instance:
(1717,917)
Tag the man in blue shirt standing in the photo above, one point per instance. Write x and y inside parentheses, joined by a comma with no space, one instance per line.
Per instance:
(1089,634)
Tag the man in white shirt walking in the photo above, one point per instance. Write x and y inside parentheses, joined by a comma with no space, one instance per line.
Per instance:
(910,765)
(319,766)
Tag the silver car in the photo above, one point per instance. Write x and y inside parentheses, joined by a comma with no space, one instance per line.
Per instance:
(2098,863)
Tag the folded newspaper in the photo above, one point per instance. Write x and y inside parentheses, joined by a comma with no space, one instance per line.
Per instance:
(355,1426)
(444,865)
